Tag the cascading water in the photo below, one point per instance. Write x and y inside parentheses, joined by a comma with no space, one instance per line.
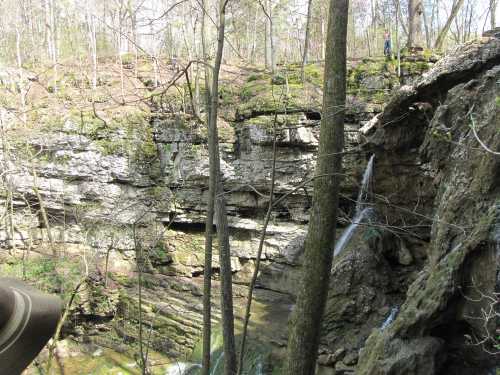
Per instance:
(258,368)
(390,318)
(181,368)
(361,212)
(214,371)
(347,234)
(364,191)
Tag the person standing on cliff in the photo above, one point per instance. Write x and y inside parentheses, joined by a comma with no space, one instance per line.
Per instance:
(387,44)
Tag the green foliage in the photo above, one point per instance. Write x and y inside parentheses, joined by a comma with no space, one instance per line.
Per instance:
(257,355)
(258,77)
(441,134)
(414,67)
(227,95)
(45,273)
(371,233)
(278,79)
(314,74)
(128,58)
(109,147)
(263,96)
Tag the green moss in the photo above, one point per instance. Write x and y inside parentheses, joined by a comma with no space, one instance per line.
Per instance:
(109,147)
(414,67)
(138,142)
(278,79)
(258,77)
(314,73)
(89,124)
(263,97)
(228,95)
(128,58)
(107,362)
(257,354)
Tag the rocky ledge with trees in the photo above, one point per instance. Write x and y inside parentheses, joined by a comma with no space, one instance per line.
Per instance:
(106,178)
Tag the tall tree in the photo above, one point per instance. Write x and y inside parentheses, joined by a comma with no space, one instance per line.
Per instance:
(493,11)
(415,11)
(230,362)
(427,28)
(457,4)
(92,38)
(397,5)
(270,48)
(50,36)
(209,221)
(307,38)
(305,332)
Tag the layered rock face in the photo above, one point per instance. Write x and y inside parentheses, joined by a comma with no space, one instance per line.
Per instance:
(119,195)
(131,187)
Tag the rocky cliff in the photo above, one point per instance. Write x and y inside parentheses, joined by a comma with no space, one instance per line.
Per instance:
(106,186)
(437,178)
(103,186)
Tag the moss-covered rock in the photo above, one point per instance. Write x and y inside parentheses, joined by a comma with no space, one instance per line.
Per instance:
(430,334)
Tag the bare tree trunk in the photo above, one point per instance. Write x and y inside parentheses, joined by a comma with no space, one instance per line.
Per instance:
(209,221)
(427,29)
(91,28)
(43,211)
(267,53)
(306,321)
(51,38)
(140,261)
(120,48)
(397,4)
(22,83)
(493,11)
(323,43)
(433,19)
(67,309)
(230,362)
(271,38)
(306,40)
(253,281)
(373,25)
(267,8)
(415,10)
(254,38)
(442,34)
(398,44)
(368,42)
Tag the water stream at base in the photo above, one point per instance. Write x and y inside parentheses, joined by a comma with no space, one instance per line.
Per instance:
(361,212)
(214,371)
(258,369)
(185,368)
(181,368)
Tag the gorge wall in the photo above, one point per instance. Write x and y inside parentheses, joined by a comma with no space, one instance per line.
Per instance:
(128,184)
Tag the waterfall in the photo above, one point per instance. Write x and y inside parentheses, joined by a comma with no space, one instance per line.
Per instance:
(184,368)
(181,368)
(214,370)
(390,318)
(360,213)
(258,368)
(347,234)
(364,191)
